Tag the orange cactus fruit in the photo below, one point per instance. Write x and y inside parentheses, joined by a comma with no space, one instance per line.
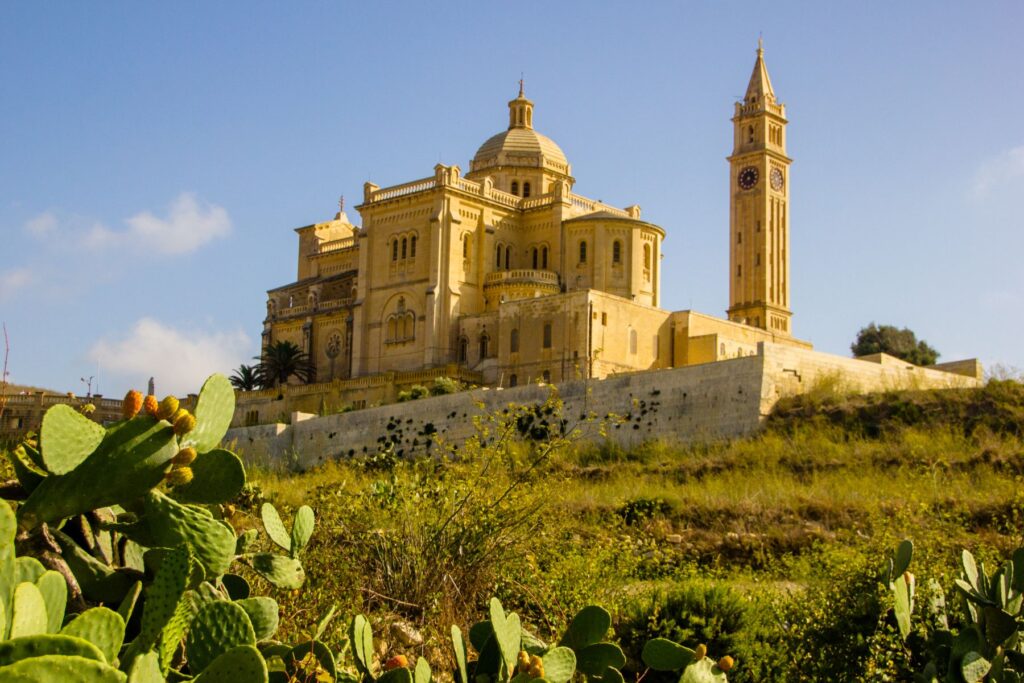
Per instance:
(396,662)
(184,457)
(700,652)
(179,476)
(151,405)
(131,405)
(183,424)
(524,660)
(167,408)
(726,663)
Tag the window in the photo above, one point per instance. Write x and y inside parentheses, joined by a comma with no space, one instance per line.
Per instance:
(544,258)
(604,319)
(647,256)
(394,250)
(497,257)
(547,375)
(513,341)
(547,335)
(412,247)
(583,252)
(759,226)
(463,349)
(508,258)
(465,246)
(632,342)
(513,380)
(739,270)
(750,133)
(757,259)
(515,187)
(485,343)
(405,247)
(739,238)
(536,255)
(616,251)
(526,189)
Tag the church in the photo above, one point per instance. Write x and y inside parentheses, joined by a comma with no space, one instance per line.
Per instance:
(510,276)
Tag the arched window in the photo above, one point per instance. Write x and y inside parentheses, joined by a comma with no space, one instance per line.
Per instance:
(544,258)
(526,189)
(546,375)
(547,335)
(412,247)
(515,187)
(405,247)
(497,257)
(632,342)
(394,250)
(536,257)
(647,256)
(508,258)
(392,329)
(463,349)
(465,246)
(583,252)
(485,343)
(616,251)
(513,380)
(513,341)
(750,133)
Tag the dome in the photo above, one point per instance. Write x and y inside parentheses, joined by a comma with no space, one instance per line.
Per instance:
(521,145)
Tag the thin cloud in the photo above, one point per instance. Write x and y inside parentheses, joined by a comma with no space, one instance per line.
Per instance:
(1002,172)
(13,280)
(42,225)
(178,360)
(188,226)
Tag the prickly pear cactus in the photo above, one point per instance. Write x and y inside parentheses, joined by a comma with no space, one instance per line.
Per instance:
(63,668)
(100,626)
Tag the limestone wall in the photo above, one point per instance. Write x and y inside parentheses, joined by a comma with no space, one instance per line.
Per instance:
(715,400)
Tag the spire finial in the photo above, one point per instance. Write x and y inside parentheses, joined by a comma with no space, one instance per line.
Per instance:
(341,203)
(521,84)
(760,44)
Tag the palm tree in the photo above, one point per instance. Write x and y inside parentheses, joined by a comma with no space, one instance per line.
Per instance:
(282,360)
(247,378)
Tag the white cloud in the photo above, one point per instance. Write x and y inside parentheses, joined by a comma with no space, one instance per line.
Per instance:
(13,280)
(42,225)
(1005,171)
(179,360)
(187,227)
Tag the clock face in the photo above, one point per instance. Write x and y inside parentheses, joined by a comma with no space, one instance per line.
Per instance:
(778,180)
(747,177)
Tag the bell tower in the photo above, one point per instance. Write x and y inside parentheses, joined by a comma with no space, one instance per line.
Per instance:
(759,208)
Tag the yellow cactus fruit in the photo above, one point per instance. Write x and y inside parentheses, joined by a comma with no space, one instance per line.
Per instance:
(179,476)
(183,424)
(396,662)
(87,409)
(184,457)
(177,413)
(726,663)
(700,652)
(536,669)
(167,408)
(151,405)
(524,660)
(131,405)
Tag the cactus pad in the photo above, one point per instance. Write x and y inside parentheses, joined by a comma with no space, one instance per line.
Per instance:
(127,606)
(28,473)
(588,627)
(594,659)
(63,668)
(302,529)
(399,675)
(559,664)
(27,569)
(98,582)
(214,410)
(8,529)
(237,587)
(320,651)
(67,438)
(263,613)
(283,572)
(246,541)
(361,638)
(242,663)
(460,653)
(217,628)
(507,633)
(212,542)
(217,477)
(274,526)
(130,461)
(163,595)
(17,649)
(422,672)
(29,616)
(661,654)
(703,671)
(54,589)
(102,627)
(146,669)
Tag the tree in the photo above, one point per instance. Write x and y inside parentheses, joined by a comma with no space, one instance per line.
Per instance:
(896,342)
(247,378)
(282,360)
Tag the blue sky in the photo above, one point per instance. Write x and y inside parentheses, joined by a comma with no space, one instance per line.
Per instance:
(156,157)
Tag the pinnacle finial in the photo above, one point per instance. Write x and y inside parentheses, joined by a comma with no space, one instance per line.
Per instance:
(341,203)
(521,94)
(760,44)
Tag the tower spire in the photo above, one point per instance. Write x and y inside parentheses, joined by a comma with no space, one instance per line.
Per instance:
(760,86)
(520,110)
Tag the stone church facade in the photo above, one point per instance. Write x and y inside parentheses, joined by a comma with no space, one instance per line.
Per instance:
(506,273)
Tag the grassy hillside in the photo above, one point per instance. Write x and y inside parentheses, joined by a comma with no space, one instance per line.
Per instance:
(766,547)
